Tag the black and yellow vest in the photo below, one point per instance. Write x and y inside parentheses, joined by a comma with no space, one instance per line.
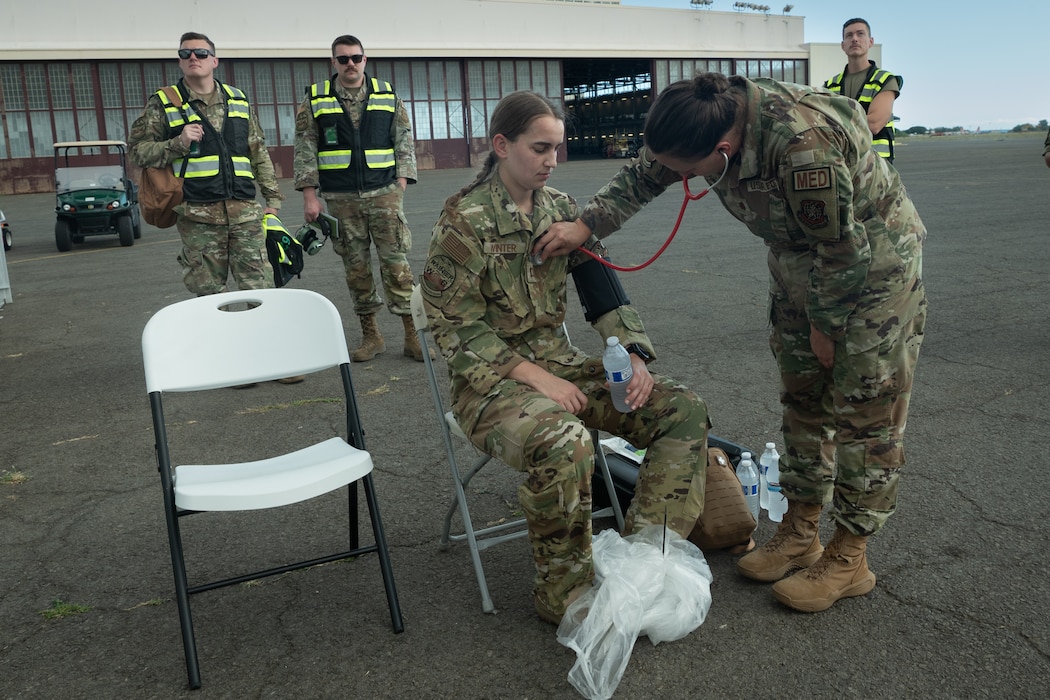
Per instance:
(873,84)
(349,159)
(222,168)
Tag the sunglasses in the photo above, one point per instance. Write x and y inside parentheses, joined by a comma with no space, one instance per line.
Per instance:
(199,53)
(356,58)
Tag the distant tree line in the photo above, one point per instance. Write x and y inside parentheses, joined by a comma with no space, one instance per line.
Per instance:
(1041,126)
(1020,128)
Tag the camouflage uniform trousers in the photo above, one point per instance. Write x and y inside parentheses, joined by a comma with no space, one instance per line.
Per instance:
(379,220)
(212,251)
(553,447)
(844,426)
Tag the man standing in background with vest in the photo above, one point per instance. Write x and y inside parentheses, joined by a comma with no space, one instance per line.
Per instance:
(216,134)
(353,142)
(873,87)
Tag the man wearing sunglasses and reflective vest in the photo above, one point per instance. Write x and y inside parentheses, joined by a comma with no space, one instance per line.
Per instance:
(215,142)
(353,142)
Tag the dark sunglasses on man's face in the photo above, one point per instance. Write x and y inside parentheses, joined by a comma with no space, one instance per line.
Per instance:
(199,53)
(356,58)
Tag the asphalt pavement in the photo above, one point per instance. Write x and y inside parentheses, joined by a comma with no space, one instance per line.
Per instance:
(86,595)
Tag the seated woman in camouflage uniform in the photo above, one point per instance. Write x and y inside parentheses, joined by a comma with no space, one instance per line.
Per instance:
(519,389)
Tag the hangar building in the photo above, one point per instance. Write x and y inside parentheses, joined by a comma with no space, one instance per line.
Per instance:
(72,71)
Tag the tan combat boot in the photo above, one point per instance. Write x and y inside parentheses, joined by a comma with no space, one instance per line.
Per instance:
(795,545)
(842,572)
(371,340)
(412,348)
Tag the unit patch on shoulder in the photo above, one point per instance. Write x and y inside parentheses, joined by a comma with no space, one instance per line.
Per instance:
(438,275)
(813,213)
(812,179)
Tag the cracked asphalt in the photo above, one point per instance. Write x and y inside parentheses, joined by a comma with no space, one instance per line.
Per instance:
(960,609)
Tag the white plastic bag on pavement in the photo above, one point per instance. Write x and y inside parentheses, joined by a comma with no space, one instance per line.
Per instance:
(651,583)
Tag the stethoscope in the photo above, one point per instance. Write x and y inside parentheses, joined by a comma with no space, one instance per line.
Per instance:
(689,197)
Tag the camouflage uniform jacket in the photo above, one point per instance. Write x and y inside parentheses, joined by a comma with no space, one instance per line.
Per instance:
(353,101)
(490,308)
(149,147)
(808,183)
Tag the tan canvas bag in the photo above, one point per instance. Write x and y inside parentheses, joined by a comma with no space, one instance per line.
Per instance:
(160,191)
(726,520)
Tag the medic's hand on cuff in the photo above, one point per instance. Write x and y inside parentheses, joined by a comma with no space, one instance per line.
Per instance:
(561,238)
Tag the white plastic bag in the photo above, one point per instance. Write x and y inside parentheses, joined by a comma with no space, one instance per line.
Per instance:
(651,583)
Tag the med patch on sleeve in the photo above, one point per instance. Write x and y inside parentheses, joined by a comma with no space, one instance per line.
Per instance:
(814,202)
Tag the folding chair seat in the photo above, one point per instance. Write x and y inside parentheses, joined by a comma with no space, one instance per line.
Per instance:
(479,539)
(202,344)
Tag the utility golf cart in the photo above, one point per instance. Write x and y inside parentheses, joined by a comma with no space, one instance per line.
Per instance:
(95,195)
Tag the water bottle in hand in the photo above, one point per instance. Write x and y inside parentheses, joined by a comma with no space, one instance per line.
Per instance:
(618,372)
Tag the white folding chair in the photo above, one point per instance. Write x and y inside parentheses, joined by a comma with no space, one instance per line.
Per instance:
(202,344)
(480,539)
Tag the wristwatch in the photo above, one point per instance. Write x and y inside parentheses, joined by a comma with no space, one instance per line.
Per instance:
(636,349)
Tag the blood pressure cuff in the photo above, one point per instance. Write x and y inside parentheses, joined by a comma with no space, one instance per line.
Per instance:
(599,289)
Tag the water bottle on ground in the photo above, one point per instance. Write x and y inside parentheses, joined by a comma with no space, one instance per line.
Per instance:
(748,475)
(778,504)
(618,373)
(770,456)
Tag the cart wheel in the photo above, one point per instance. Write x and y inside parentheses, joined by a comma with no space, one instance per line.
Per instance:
(8,240)
(63,241)
(136,219)
(125,230)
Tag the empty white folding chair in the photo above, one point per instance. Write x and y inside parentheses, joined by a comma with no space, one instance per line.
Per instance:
(480,539)
(202,344)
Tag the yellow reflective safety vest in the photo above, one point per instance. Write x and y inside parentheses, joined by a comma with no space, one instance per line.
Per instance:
(284,251)
(220,167)
(349,159)
(873,84)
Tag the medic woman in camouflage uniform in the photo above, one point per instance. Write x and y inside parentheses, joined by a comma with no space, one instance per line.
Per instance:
(519,389)
(847,304)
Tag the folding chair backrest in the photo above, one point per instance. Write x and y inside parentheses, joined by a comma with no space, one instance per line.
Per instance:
(201,344)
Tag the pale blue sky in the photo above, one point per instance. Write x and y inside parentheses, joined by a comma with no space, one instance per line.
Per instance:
(964,64)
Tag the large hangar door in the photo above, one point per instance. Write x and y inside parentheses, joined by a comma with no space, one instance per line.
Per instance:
(606,100)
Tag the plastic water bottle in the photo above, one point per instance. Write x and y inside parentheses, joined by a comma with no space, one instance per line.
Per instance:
(748,475)
(770,456)
(618,373)
(778,504)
